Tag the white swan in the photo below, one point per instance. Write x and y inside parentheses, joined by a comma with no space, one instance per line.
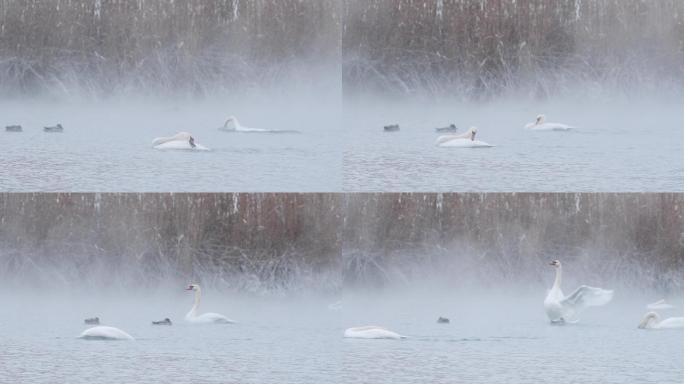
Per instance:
(660,305)
(204,318)
(233,125)
(105,333)
(371,332)
(652,321)
(540,124)
(561,309)
(181,140)
(464,140)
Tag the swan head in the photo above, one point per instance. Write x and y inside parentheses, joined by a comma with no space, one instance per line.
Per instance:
(649,318)
(472,131)
(555,263)
(540,119)
(193,287)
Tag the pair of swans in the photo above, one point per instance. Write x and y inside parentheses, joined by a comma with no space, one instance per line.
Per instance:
(562,309)
(464,140)
(181,140)
(185,141)
(540,124)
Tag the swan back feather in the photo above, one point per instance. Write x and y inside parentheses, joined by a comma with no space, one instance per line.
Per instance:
(371,332)
(105,333)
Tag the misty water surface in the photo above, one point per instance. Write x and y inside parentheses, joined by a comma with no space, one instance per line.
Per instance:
(617,146)
(493,336)
(106,146)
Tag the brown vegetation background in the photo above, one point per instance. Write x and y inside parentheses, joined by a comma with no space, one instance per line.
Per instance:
(104,46)
(479,48)
(265,242)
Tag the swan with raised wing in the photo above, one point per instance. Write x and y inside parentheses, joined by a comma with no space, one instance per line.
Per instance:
(464,140)
(540,124)
(205,318)
(103,332)
(181,140)
(561,309)
(652,320)
(371,332)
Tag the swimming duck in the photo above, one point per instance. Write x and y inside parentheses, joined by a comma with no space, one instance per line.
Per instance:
(450,128)
(55,128)
(13,128)
(166,321)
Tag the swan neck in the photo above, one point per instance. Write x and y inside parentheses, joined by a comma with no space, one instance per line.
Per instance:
(195,307)
(232,123)
(557,282)
(650,320)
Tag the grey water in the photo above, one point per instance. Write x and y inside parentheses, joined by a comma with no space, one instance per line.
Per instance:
(618,145)
(493,336)
(106,146)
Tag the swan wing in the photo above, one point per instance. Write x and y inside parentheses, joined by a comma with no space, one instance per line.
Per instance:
(586,296)
(672,322)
